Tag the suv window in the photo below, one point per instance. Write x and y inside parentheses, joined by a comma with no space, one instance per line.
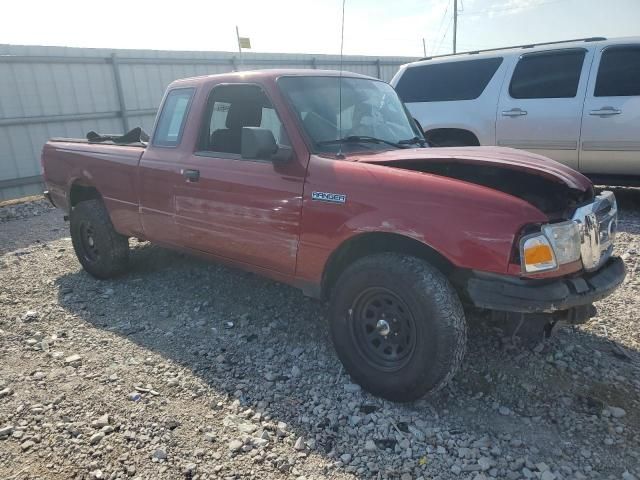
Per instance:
(619,72)
(168,132)
(547,75)
(231,107)
(442,82)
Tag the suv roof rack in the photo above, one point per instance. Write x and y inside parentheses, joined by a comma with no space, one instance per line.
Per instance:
(528,45)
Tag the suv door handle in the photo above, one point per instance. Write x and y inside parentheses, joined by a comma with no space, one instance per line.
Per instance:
(605,111)
(514,112)
(191,175)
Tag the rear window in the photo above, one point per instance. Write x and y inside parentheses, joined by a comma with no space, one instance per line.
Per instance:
(619,72)
(547,75)
(442,82)
(174,113)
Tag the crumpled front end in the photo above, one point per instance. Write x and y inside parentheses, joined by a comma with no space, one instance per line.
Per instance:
(557,298)
(597,222)
(584,241)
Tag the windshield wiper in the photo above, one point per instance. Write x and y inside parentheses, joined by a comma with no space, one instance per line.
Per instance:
(361,139)
(413,141)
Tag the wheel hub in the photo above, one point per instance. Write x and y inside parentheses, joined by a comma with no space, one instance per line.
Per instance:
(88,240)
(383,328)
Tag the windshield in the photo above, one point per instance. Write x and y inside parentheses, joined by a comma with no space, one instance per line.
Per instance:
(373,117)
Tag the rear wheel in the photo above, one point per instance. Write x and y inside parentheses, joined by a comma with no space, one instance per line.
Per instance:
(397,326)
(102,251)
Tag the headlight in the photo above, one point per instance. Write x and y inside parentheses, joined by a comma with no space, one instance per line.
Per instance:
(565,240)
(557,244)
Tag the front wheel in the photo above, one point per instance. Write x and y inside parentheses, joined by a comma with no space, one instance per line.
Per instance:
(102,251)
(398,326)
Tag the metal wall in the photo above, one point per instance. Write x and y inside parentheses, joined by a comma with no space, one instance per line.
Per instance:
(66,92)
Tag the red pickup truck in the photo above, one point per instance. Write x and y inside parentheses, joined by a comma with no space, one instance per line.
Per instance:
(323,181)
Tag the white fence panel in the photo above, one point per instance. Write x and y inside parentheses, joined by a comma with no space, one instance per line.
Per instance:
(65,92)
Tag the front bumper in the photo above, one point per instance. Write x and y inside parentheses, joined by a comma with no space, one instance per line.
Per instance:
(510,294)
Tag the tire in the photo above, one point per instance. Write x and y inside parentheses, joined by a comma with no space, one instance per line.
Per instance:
(102,251)
(450,142)
(398,326)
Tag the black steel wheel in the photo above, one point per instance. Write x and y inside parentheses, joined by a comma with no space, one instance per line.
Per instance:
(87,237)
(383,328)
(102,251)
(397,325)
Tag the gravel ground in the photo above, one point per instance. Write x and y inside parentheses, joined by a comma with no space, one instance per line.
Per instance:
(12,210)
(185,369)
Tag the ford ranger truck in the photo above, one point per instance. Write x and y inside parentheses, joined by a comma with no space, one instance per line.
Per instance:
(324,182)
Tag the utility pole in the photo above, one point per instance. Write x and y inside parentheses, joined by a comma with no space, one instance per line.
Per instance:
(239,46)
(424,48)
(455,23)
(238,40)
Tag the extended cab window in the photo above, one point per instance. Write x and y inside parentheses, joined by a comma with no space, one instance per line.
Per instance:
(619,72)
(172,118)
(547,75)
(442,82)
(232,107)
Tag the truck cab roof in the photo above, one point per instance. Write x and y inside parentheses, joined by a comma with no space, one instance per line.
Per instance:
(262,75)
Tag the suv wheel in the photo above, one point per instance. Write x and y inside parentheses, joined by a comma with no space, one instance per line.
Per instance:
(397,325)
(450,142)
(102,251)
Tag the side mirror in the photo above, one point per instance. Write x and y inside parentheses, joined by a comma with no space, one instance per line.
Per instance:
(259,144)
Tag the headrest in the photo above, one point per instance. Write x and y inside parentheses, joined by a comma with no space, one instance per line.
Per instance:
(244,114)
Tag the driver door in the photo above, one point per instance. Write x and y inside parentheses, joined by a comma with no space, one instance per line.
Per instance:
(244,210)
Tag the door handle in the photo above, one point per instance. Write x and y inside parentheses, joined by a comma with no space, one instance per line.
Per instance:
(191,175)
(605,111)
(514,112)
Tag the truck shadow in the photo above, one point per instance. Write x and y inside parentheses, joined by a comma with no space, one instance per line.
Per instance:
(267,345)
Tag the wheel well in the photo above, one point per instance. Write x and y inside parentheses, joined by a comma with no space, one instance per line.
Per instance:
(80,193)
(458,135)
(378,242)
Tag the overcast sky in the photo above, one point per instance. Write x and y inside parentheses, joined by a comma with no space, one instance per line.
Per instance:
(389,27)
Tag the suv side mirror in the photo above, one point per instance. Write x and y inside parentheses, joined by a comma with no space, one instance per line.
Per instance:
(260,144)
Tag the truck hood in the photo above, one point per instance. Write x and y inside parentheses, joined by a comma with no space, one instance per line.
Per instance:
(550,186)
(508,158)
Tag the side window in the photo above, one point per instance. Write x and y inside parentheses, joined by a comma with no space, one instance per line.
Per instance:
(168,132)
(442,82)
(547,75)
(232,107)
(619,72)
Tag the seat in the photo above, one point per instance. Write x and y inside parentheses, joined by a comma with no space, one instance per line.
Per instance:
(240,114)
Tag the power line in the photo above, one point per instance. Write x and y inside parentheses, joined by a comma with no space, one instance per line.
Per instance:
(489,11)
(510,9)
(443,37)
(441,24)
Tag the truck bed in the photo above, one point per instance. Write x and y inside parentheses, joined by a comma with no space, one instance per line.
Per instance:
(70,163)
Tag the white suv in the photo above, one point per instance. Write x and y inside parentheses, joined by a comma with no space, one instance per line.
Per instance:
(577,102)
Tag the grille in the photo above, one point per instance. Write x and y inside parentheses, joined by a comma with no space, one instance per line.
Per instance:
(598,222)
